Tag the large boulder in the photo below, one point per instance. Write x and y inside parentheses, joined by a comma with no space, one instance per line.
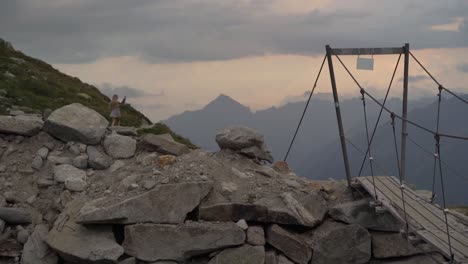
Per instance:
(179,242)
(386,245)
(119,147)
(21,125)
(15,215)
(361,213)
(98,160)
(335,243)
(245,254)
(288,209)
(163,145)
(292,245)
(36,251)
(82,244)
(239,137)
(77,123)
(168,204)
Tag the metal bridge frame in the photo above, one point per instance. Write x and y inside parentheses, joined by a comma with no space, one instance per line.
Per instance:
(370,51)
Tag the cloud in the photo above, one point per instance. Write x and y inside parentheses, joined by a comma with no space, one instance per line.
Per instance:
(463,67)
(177,30)
(124,90)
(416,78)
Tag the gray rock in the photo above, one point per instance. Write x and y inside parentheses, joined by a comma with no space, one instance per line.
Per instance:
(288,209)
(15,215)
(163,145)
(74,149)
(119,147)
(82,244)
(179,242)
(118,164)
(166,204)
(36,251)
(22,236)
(131,260)
(284,260)
(271,257)
(44,183)
(256,236)
(56,160)
(338,243)
(2,226)
(43,152)
(81,161)
(361,213)
(77,123)
(66,171)
(98,160)
(149,184)
(292,245)
(259,153)
(245,254)
(386,245)
(125,131)
(239,137)
(75,184)
(37,163)
(20,125)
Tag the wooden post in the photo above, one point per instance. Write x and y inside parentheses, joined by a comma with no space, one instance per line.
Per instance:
(338,114)
(404,132)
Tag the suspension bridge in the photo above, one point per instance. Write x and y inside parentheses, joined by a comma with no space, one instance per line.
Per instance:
(423,219)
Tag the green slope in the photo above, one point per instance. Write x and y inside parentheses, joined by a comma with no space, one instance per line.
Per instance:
(35,86)
(32,83)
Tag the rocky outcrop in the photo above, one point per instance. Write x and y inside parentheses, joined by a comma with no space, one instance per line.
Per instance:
(179,242)
(244,140)
(82,244)
(21,125)
(120,147)
(386,245)
(163,145)
(361,213)
(168,204)
(78,123)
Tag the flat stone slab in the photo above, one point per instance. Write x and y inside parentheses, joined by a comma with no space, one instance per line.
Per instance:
(245,254)
(152,242)
(20,125)
(292,245)
(288,209)
(166,204)
(163,145)
(82,244)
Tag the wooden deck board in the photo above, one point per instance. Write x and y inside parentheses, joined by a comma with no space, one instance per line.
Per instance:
(425,219)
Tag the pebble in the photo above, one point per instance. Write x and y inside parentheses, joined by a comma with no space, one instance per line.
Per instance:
(134,186)
(22,236)
(165,181)
(43,152)
(149,184)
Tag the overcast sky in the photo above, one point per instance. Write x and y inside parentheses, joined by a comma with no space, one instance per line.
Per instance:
(168,56)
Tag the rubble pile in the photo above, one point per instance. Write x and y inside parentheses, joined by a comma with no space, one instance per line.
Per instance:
(74,191)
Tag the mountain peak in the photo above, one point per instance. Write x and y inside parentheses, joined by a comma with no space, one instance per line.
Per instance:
(226,102)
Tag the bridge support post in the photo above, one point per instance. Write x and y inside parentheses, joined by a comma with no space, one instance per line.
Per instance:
(338,114)
(404,132)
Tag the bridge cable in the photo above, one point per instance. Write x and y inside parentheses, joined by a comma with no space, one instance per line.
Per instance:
(380,113)
(397,116)
(436,153)
(437,138)
(363,99)
(434,79)
(305,110)
(392,116)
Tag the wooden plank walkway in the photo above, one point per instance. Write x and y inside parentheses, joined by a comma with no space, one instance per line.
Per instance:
(425,219)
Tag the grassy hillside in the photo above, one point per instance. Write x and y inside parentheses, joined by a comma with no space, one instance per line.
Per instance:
(32,83)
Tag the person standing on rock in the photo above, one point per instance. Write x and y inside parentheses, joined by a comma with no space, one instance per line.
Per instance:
(115,109)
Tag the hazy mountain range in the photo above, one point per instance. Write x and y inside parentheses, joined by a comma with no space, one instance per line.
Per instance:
(316,152)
